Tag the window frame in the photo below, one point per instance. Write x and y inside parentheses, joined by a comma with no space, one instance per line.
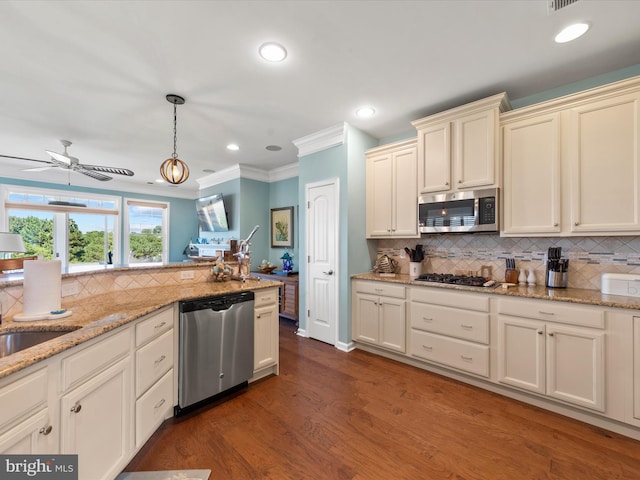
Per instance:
(165,206)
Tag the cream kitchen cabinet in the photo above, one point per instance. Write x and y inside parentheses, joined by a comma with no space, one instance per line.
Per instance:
(636,367)
(25,420)
(572,165)
(531,193)
(96,410)
(391,191)
(563,358)
(379,315)
(266,328)
(449,329)
(458,149)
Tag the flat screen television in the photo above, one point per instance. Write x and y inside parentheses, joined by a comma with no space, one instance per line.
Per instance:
(212,215)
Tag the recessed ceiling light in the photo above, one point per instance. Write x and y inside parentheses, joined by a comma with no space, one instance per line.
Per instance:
(233,147)
(209,170)
(273,148)
(365,112)
(571,32)
(159,180)
(273,52)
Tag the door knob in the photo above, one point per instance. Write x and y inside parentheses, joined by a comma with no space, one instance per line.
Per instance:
(330,272)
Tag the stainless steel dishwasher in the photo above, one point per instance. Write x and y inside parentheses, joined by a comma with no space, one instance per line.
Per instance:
(215,347)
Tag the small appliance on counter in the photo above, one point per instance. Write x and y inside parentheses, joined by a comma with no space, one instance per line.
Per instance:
(557,268)
(627,284)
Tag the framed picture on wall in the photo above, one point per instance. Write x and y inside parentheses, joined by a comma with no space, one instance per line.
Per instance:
(282,227)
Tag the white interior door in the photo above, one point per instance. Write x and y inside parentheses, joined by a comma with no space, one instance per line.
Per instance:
(322,251)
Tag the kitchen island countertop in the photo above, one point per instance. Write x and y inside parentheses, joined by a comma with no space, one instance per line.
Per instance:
(572,295)
(93,316)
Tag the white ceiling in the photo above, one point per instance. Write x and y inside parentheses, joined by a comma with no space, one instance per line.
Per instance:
(97,72)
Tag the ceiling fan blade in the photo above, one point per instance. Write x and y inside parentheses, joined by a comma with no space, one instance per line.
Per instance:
(115,170)
(23,158)
(92,174)
(59,157)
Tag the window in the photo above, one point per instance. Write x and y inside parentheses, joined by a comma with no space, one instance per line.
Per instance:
(81,230)
(146,232)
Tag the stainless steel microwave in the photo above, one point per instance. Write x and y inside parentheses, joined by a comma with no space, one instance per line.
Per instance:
(471,211)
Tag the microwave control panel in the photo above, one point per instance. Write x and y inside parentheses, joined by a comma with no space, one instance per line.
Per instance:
(487,210)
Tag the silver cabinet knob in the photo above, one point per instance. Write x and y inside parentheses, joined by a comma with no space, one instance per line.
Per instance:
(76,408)
(46,430)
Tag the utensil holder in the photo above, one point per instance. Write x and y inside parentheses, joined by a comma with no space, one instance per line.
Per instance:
(511,276)
(556,279)
(415,269)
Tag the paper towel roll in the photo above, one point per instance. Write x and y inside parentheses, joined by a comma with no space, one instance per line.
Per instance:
(42,286)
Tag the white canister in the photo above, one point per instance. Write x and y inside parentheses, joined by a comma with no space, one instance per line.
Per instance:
(415,269)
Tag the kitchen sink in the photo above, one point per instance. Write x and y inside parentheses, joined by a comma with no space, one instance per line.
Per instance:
(12,342)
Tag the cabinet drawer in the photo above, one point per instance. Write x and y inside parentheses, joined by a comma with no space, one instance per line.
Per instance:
(153,326)
(453,322)
(381,288)
(553,311)
(153,407)
(441,296)
(268,296)
(470,357)
(90,360)
(152,361)
(23,396)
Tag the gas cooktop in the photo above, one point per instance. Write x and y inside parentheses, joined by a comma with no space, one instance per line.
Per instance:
(451,279)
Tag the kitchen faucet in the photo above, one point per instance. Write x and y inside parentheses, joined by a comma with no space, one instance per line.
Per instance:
(245,253)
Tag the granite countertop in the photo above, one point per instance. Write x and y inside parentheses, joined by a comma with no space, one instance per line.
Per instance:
(102,313)
(572,295)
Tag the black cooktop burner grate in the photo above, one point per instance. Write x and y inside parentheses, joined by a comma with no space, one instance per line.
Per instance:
(451,279)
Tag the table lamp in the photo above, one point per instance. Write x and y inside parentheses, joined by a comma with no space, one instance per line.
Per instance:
(11,242)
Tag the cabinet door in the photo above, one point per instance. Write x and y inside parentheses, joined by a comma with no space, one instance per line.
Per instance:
(434,158)
(521,353)
(96,422)
(531,194)
(393,324)
(575,366)
(35,435)
(474,156)
(604,155)
(379,195)
(265,337)
(366,322)
(636,367)
(405,193)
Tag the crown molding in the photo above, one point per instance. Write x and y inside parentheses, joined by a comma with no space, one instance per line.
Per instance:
(327,138)
(251,173)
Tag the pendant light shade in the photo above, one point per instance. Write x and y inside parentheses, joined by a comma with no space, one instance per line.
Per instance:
(174,170)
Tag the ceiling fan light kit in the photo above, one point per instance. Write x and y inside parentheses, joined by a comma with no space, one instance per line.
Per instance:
(174,170)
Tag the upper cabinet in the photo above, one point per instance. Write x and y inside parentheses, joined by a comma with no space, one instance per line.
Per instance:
(391,192)
(572,165)
(459,149)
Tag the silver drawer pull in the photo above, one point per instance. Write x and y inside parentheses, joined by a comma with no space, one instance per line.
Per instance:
(468,327)
(76,408)
(160,325)
(427,319)
(545,313)
(46,430)
(427,347)
(159,404)
(379,289)
(159,360)
(468,359)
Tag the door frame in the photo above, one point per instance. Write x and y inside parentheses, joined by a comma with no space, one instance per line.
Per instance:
(335,181)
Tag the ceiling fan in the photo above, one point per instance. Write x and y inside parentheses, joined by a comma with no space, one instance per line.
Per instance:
(66,161)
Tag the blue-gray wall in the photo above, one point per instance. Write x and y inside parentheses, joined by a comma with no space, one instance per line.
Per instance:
(284,193)
(183,220)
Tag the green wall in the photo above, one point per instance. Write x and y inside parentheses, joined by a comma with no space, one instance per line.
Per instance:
(183,220)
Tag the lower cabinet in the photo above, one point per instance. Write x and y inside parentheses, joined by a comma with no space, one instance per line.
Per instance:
(265,334)
(560,360)
(95,422)
(380,315)
(636,367)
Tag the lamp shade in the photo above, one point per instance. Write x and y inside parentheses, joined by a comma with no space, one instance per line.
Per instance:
(11,242)
(174,171)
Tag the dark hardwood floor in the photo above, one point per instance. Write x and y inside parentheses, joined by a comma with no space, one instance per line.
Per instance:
(334,415)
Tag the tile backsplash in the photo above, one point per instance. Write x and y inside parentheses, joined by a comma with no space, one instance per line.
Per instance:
(589,257)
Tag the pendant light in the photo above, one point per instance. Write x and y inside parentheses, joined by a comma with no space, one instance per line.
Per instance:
(174,170)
